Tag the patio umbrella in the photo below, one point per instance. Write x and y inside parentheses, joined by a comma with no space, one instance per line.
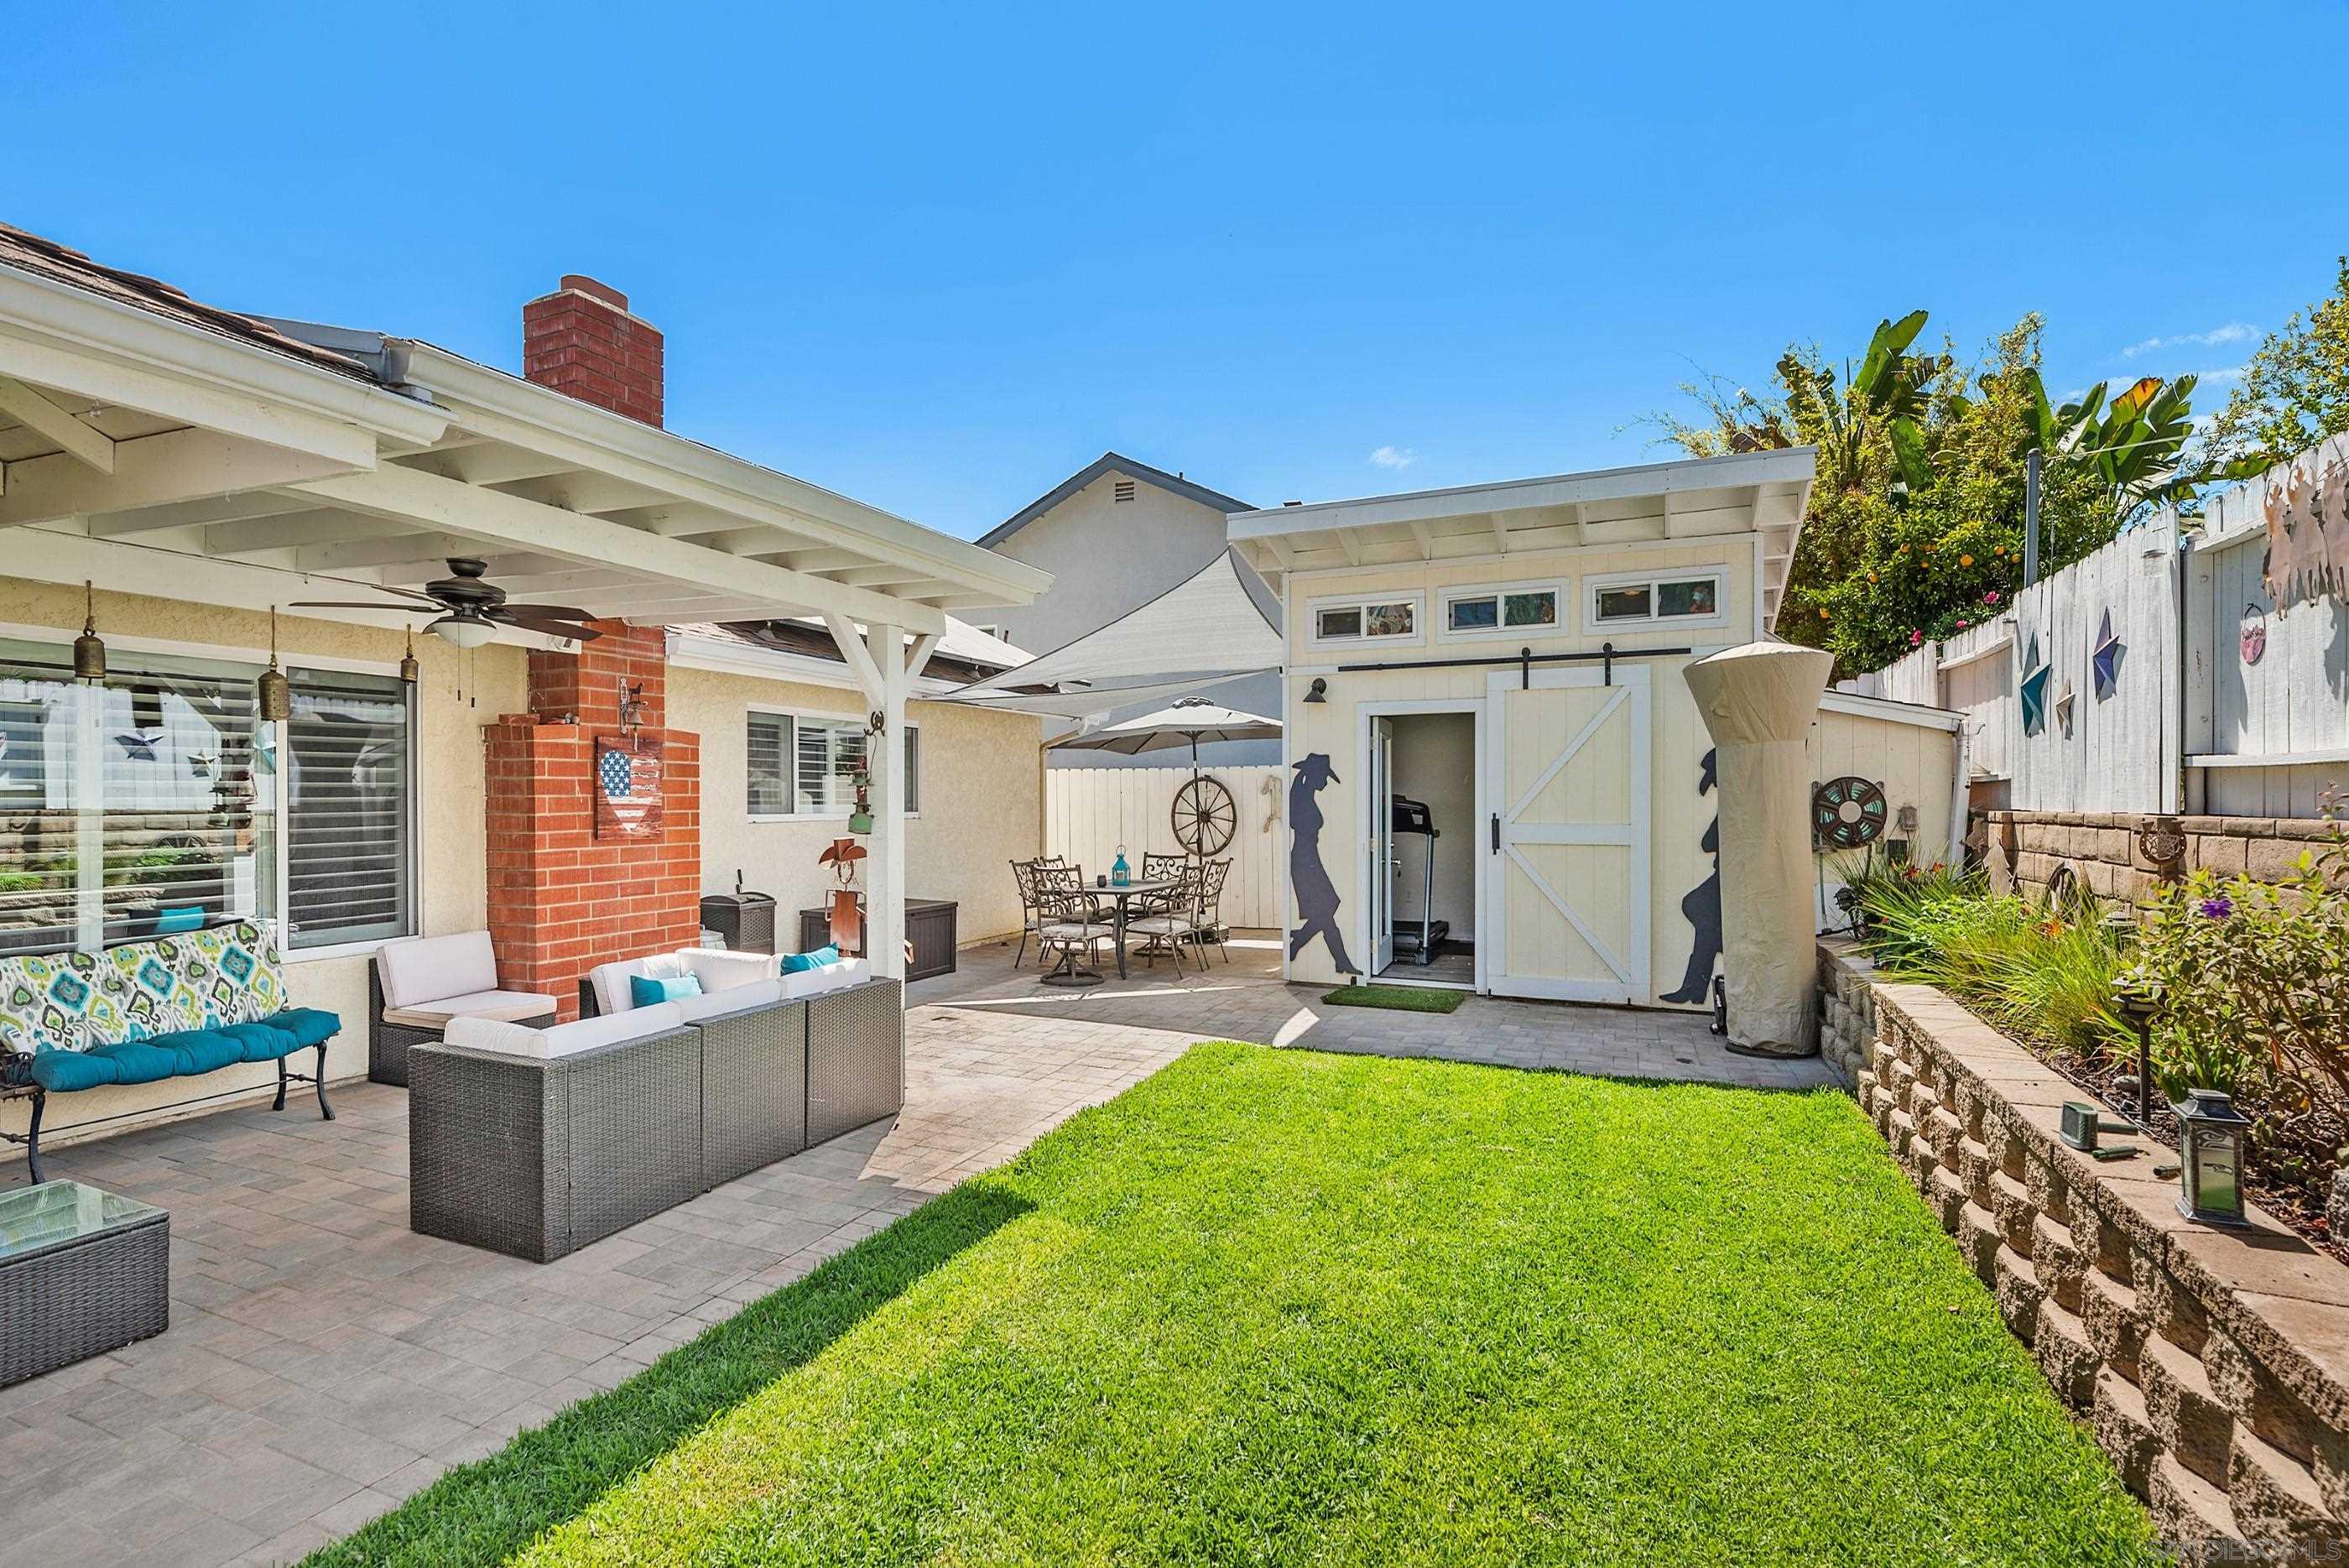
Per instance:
(1187,722)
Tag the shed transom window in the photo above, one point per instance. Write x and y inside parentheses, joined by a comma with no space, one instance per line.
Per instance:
(1365,620)
(1513,608)
(1695,597)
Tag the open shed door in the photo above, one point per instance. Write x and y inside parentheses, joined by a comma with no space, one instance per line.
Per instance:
(1566,765)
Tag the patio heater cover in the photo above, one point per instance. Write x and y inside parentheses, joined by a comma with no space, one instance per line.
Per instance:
(1758,701)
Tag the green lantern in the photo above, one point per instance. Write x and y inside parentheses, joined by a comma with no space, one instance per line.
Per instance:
(2211,1163)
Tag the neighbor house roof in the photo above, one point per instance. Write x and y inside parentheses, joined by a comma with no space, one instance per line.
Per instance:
(1108,461)
(62,264)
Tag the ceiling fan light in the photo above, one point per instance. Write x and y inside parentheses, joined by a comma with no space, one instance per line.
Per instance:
(462,630)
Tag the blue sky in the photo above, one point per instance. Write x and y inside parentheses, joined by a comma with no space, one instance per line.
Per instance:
(937,258)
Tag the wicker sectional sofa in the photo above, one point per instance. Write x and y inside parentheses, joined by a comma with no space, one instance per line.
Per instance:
(536,1142)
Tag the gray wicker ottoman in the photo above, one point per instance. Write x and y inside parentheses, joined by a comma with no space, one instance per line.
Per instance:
(753,1089)
(536,1157)
(81,1273)
(855,1057)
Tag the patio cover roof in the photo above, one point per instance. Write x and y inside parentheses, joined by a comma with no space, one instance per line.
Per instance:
(1761,493)
(162,446)
(1217,625)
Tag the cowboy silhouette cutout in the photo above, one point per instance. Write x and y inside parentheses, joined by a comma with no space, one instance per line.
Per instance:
(1702,907)
(1316,895)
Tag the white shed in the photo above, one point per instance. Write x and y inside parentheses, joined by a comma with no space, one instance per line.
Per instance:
(1495,763)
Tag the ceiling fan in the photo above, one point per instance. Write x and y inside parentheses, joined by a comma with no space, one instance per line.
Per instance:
(471,610)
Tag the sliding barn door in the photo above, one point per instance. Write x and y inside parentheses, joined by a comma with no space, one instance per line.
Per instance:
(1566,773)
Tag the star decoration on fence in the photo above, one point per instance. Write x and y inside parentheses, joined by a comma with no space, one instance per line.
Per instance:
(2106,658)
(2034,689)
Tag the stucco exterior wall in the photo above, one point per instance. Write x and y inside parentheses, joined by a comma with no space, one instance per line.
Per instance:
(980,807)
(1106,557)
(1678,817)
(458,695)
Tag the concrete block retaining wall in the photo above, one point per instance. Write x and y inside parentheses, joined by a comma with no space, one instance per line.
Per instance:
(2212,1366)
(2024,848)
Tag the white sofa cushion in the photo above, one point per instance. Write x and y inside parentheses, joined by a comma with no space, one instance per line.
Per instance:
(563,1038)
(513,1006)
(610,980)
(815,981)
(426,968)
(720,970)
(733,999)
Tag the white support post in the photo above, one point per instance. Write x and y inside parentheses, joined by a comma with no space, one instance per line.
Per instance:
(878,662)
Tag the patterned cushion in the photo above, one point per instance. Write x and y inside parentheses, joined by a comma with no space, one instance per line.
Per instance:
(142,992)
(45,1001)
(236,971)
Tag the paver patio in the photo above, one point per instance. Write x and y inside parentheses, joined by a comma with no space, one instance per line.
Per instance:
(324,1362)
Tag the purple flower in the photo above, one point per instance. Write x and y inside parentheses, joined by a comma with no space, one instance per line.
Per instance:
(2218,909)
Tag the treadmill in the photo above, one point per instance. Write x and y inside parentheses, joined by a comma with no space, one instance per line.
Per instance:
(1412,817)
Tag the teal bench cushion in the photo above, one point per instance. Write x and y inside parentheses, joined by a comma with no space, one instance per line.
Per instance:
(308,1025)
(187,1054)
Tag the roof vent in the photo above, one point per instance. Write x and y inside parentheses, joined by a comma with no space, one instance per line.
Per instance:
(1122,490)
(1292,504)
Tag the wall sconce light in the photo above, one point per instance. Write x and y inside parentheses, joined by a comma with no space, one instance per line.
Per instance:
(90,653)
(276,693)
(1319,691)
(409,668)
(2210,1167)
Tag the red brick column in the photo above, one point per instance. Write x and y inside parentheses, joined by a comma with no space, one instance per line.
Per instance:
(562,900)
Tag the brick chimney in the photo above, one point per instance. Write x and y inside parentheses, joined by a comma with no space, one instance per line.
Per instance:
(582,341)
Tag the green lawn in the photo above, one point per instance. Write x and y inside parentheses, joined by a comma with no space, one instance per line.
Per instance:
(1288,1307)
(1398,998)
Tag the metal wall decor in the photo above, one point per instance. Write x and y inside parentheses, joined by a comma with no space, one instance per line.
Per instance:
(1309,880)
(2034,690)
(1204,816)
(2254,641)
(2161,843)
(2308,527)
(2063,698)
(1702,904)
(2105,659)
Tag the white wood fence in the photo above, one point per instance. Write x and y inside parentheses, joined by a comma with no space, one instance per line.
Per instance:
(1089,812)
(2241,711)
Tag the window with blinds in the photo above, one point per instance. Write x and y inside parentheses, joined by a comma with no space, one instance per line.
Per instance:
(349,866)
(156,801)
(801,766)
(770,764)
(139,804)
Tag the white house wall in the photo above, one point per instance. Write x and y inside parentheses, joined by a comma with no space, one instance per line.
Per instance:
(1106,557)
(978,802)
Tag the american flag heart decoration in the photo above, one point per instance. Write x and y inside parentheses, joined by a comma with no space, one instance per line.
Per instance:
(628,788)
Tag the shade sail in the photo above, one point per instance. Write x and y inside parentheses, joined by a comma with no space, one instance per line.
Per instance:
(1219,624)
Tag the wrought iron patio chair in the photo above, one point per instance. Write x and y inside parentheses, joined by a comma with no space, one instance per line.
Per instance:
(1069,920)
(1215,874)
(1177,926)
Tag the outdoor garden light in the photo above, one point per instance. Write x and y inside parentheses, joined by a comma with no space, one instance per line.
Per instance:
(276,693)
(90,653)
(2210,1158)
(2135,1002)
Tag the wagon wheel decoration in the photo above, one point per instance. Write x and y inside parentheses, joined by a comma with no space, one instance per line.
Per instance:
(1848,812)
(1204,817)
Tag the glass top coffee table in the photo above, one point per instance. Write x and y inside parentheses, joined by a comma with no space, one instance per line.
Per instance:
(82,1272)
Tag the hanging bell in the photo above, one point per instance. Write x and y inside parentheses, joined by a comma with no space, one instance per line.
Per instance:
(89,652)
(275,692)
(408,669)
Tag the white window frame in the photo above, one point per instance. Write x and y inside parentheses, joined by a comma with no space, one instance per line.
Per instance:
(418,760)
(1654,581)
(1496,592)
(1415,637)
(798,716)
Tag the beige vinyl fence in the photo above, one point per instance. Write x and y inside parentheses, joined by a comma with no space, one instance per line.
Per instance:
(1089,812)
